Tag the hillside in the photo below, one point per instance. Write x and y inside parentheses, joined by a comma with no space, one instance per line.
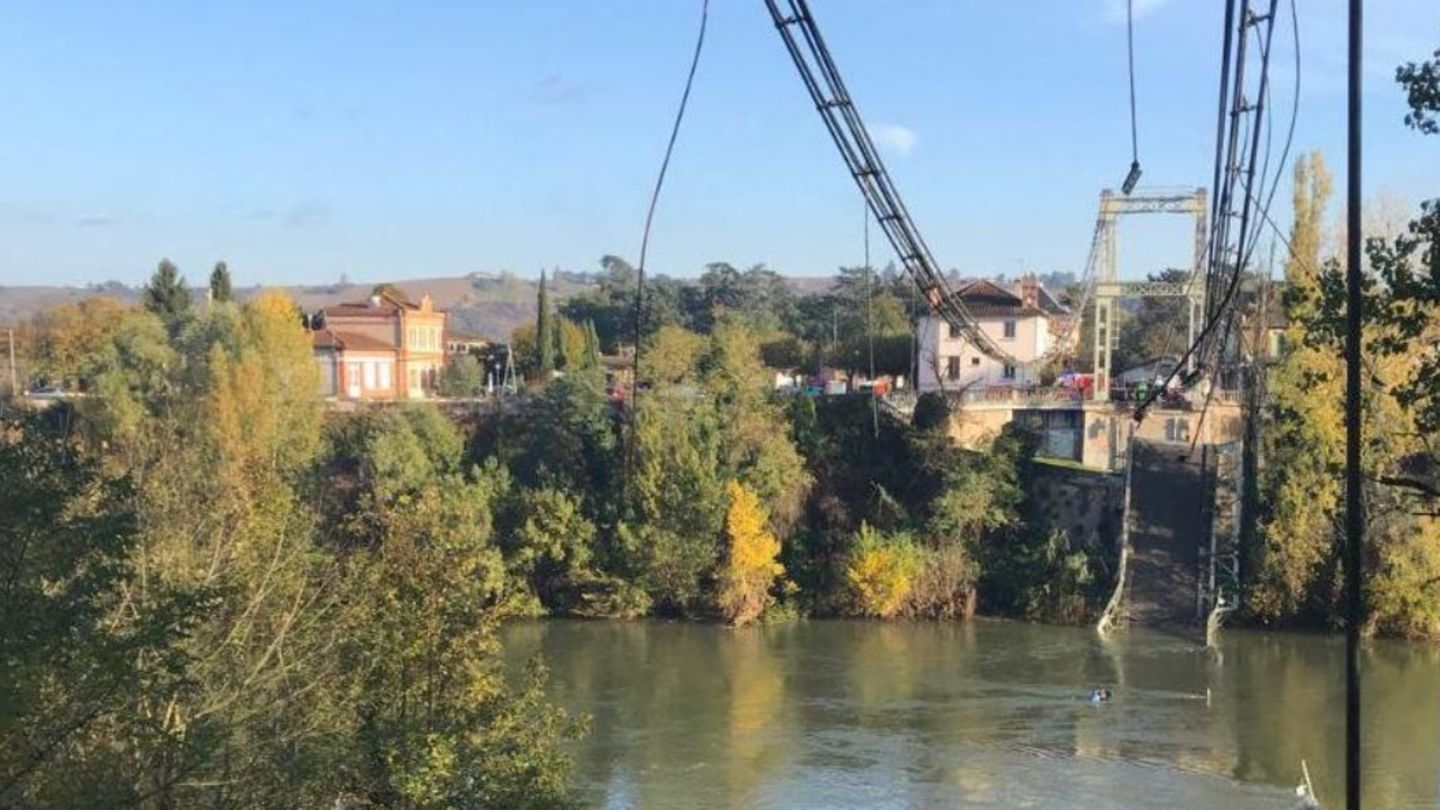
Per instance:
(486,304)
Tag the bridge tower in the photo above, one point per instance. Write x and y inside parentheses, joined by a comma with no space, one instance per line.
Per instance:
(1110,290)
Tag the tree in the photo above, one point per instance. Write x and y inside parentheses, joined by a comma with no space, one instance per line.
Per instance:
(572,342)
(545,337)
(672,356)
(69,336)
(436,725)
(1302,439)
(525,350)
(463,376)
(1422,88)
(220,290)
(166,294)
(81,664)
(749,568)
(880,571)
(1154,328)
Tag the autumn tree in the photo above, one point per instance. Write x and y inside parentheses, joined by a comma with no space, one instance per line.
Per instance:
(749,569)
(70,335)
(880,571)
(1303,446)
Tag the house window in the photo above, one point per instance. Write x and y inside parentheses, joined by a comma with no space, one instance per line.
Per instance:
(1009,330)
(952,368)
(975,361)
(369,374)
(385,375)
(1009,372)
(954,331)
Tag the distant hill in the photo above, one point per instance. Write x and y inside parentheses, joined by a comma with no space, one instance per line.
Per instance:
(490,305)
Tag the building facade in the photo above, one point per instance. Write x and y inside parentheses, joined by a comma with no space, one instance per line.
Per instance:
(382,349)
(1020,321)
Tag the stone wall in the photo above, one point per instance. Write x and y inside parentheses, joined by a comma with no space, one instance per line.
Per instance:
(1085,504)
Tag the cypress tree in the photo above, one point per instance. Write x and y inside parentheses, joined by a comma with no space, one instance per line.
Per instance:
(545,337)
(592,344)
(220,289)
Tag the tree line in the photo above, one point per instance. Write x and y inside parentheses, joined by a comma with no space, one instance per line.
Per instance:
(219,594)
(1294,565)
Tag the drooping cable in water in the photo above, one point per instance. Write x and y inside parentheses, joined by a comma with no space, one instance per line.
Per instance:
(654,201)
(1133,176)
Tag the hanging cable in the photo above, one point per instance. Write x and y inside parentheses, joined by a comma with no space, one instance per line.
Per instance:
(655,199)
(870,320)
(1133,176)
(1239,170)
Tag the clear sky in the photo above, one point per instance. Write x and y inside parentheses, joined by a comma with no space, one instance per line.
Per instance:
(302,140)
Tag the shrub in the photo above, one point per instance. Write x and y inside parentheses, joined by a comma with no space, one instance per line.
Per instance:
(880,572)
(749,568)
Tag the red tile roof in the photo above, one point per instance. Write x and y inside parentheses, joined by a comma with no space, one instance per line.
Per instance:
(348,341)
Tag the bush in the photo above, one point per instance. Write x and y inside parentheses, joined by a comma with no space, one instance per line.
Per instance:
(880,572)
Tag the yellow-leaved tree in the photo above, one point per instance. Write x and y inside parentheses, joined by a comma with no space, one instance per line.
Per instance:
(881,572)
(750,568)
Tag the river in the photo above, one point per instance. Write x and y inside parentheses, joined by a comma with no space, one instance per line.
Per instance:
(986,714)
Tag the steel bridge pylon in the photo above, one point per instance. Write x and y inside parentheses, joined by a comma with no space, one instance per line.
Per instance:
(1109,289)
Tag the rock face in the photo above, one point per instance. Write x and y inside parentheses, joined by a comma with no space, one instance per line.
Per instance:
(1169,522)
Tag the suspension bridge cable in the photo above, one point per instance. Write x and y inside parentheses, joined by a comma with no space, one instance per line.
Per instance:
(655,199)
(1248,236)
(1133,176)
(870,319)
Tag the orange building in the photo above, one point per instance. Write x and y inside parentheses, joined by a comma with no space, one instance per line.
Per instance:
(385,348)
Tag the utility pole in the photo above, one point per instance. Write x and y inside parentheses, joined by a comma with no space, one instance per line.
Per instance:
(1354,496)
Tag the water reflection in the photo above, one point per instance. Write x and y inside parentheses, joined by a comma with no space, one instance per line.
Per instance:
(988,714)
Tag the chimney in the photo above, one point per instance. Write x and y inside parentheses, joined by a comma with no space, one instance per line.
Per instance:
(375,301)
(1030,291)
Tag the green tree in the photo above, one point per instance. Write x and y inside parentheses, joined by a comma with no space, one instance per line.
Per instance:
(463,376)
(1292,571)
(545,337)
(573,345)
(437,725)
(220,289)
(83,666)
(672,356)
(166,294)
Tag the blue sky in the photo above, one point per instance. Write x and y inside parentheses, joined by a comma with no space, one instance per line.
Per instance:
(302,140)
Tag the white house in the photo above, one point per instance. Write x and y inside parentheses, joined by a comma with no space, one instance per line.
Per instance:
(1020,322)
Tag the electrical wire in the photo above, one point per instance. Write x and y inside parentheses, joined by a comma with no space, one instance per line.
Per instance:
(655,200)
